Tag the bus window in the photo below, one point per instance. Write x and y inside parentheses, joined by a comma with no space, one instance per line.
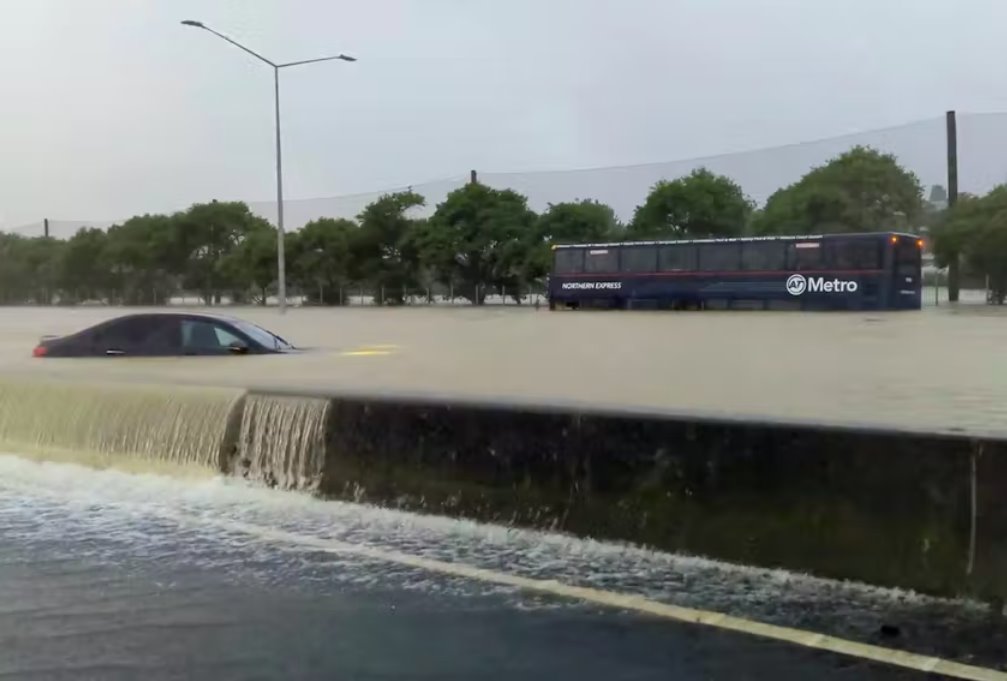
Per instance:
(862,253)
(763,255)
(638,258)
(725,257)
(601,260)
(907,253)
(677,258)
(908,259)
(569,260)
(805,255)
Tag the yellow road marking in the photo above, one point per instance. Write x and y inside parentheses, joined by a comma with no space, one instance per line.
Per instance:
(632,602)
(370,350)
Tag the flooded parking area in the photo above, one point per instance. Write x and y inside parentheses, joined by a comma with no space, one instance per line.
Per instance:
(940,368)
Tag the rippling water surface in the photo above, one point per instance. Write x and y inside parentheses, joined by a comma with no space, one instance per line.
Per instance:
(938,368)
(100,568)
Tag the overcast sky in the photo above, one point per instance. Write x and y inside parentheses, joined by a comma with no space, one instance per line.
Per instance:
(110,107)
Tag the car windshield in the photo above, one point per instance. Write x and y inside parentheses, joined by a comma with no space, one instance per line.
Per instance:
(261,336)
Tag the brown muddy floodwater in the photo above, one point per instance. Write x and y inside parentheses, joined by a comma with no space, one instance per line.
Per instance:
(941,368)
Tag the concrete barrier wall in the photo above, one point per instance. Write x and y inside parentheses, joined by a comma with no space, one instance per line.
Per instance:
(913,510)
(887,508)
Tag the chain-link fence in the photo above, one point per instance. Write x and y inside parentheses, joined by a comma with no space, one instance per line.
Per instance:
(350,295)
(919,146)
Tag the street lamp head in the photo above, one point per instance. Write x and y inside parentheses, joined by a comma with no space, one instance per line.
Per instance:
(191,22)
(346,57)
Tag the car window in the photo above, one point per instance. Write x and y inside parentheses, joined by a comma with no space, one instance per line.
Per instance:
(261,336)
(163,332)
(128,332)
(202,334)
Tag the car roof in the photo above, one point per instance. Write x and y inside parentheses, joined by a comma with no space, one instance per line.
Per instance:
(179,315)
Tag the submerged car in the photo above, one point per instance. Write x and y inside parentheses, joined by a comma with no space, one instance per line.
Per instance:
(165,335)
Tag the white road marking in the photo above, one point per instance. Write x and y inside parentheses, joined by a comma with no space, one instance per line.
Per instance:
(624,601)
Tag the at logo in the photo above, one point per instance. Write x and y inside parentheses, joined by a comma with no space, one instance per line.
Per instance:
(796,284)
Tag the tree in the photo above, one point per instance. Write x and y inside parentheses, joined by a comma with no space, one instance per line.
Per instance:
(203,236)
(252,263)
(479,237)
(135,260)
(319,258)
(384,249)
(40,257)
(955,227)
(861,190)
(84,274)
(702,204)
(28,269)
(968,228)
(986,252)
(584,221)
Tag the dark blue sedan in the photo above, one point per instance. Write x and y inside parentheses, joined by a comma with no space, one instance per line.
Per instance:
(165,335)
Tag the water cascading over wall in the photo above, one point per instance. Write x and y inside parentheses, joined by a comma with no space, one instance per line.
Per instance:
(281,441)
(913,510)
(121,424)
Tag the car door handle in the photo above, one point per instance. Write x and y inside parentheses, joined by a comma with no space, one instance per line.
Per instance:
(114,352)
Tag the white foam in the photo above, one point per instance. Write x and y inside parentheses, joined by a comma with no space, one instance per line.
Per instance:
(114,501)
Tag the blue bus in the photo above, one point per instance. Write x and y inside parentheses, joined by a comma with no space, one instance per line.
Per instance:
(876,271)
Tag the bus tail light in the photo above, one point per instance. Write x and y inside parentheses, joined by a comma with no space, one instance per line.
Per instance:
(39,351)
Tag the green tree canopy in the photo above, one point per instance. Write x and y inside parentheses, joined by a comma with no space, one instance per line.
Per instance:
(84,271)
(972,230)
(384,249)
(252,262)
(862,190)
(701,204)
(319,258)
(203,236)
(571,222)
(137,258)
(479,237)
(986,252)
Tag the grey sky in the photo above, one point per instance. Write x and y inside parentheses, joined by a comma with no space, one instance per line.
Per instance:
(110,107)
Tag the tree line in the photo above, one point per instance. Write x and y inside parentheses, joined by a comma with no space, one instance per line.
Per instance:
(478,239)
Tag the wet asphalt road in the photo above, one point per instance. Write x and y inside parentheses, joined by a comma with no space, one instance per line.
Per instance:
(78,619)
(109,576)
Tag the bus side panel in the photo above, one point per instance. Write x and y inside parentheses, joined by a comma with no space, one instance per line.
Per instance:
(687,289)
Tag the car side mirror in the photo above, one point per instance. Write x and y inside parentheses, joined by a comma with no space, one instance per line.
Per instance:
(237,348)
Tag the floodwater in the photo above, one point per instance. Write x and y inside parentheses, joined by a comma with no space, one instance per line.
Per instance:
(107,575)
(942,368)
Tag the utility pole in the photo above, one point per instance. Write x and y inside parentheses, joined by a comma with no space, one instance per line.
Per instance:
(45,227)
(954,266)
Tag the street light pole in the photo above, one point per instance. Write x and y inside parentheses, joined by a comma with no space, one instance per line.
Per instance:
(281,257)
(281,263)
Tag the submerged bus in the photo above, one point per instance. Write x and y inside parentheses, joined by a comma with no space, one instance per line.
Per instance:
(877,271)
